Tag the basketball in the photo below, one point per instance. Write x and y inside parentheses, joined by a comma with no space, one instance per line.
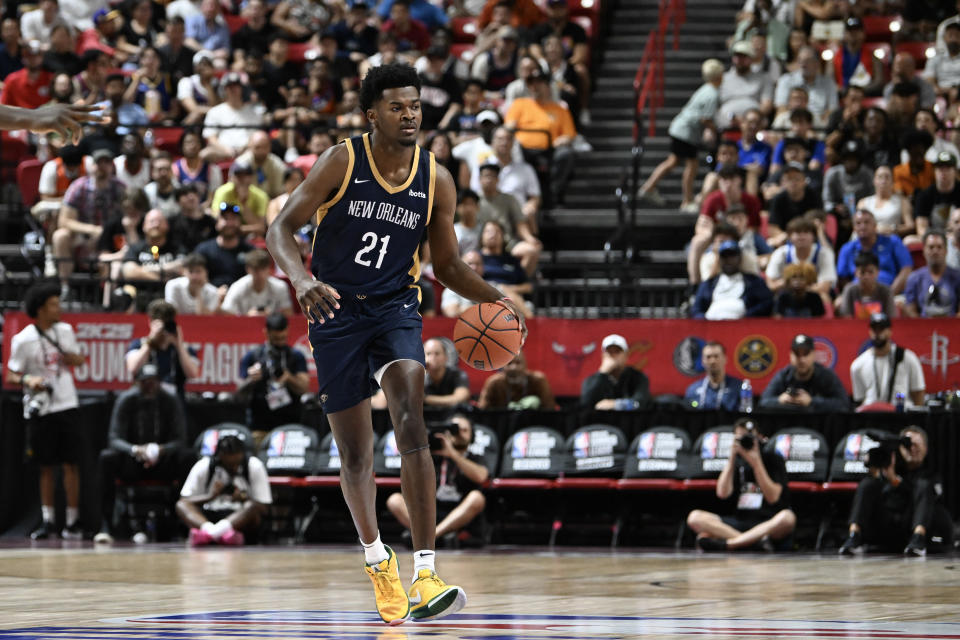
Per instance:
(487,336)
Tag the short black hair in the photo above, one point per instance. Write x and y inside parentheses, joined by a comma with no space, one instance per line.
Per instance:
(467,194)
(865,259)
(387,76)
(115,76)
(714,343)
(184,189)
(229,444)
(195,260)
(489,166)
(38,294)
(725,229)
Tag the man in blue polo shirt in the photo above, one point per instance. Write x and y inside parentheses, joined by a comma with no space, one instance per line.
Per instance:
(895,261)
(716,390)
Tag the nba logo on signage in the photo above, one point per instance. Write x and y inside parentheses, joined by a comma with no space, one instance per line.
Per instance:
(210,439)
(711,442)
(851,451)
(581,445)
(276,444)
(520,443)
(783,446)
(645,448)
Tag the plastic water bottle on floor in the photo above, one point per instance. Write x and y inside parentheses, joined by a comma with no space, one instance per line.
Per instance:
(746,397)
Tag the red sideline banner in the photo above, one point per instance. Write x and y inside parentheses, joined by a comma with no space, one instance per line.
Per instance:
(568,351)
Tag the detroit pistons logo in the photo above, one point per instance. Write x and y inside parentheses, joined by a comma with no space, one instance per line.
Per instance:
(755,356)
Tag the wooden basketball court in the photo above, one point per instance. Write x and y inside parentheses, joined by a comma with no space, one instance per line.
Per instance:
(72,590)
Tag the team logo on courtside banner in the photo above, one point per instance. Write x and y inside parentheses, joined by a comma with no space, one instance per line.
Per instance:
(755,356)
(687,356)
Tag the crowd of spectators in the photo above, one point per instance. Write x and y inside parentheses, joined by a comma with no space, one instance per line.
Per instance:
(214,108)
(833,130)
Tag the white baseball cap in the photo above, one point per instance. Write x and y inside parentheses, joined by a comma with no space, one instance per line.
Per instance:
(615,340)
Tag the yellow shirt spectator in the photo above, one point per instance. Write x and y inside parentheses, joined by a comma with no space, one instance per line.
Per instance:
(531,119)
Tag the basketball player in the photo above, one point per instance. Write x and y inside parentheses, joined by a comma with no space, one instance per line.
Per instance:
(63,119)
(378,194)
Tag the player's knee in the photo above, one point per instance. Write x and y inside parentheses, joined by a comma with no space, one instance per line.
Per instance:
(411,433)
(354,460)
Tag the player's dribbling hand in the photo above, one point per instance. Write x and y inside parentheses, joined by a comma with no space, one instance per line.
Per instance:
(65,119)
(515,310)
(317,300)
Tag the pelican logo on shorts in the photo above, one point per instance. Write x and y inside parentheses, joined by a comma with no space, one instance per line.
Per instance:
(417,194)
(323,398)
(755,356)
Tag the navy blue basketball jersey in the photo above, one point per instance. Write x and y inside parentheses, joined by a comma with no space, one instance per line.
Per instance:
(369,233)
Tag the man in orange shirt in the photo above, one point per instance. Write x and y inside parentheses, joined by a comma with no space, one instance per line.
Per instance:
(29,87)
(917,173)
(545,131)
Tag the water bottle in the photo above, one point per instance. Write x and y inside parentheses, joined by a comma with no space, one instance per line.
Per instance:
(43,148)
(900,402)
(151,103)
(627,404)
(148,139)
(746,397)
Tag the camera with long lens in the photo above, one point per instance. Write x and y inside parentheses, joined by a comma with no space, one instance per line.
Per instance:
(879,456)
(38,401)
(272,363)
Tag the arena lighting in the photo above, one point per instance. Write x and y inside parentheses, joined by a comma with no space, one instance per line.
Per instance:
(894,26)
(470,27)
(827,55)
(930,52)
(880,54)
(760,135)
(586,4)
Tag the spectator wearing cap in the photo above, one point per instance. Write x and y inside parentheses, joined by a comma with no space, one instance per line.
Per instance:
(441,99)
(854,63)
(159,257)
(845,184)
(916,173)
(936,201)
(617,386)
(268,169)
(943,70)
(29,87)
(254,34)
(904,69)
(497,67)
(413,36)
(717,390)
(754,250)
(224,253)
(801,127)
(272,379)
(257,293)
(732,294)
(104,35)
(192,293)
(933,291)
(686,133)
(177,56)
(39,23)
(199,92)
(796,198)
(821,88)
(241,192)
(805,383)
(530,117)
(504,209)
(885,370)
(893,212)
(865,295)
(802,247)
(89,202)
(743,89)
(147,441)
(229,125)
(894,260)
(209,31)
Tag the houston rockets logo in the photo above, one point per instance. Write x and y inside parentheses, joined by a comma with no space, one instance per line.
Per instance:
(573,357)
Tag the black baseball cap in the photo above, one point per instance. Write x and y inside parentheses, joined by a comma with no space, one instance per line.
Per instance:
(945,159)
(802,342)
(879,320)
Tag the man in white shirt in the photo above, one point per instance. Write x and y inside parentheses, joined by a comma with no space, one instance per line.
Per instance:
(821,89)
(466,227)
(193,293)
(802,246)
(742,89)
(41,358)
(161,192)
(452,304)
(943,70)
(257,293)
(953,239)
(886,370)
(477,151)
(37,24)
(229,125)
(517,178)
(228,487)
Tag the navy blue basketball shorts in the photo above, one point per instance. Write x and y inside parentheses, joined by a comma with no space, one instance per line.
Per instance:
(365,335)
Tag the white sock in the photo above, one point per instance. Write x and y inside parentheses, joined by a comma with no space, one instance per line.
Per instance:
(375,552)
(72,514)
(47,512)
(221,529)
(208,528)
(422,560)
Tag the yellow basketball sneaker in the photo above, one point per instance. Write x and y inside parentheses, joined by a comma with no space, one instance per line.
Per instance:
(431,598)
(392,602)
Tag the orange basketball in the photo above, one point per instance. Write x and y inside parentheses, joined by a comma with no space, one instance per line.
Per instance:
(487,336)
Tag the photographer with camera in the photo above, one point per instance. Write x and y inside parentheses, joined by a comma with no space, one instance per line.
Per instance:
(165,348)
(225,495)
(886,372)
(805,383)
(757,479)
(460,475)
(40,359)
(896,506)
(147,441)
(273,376)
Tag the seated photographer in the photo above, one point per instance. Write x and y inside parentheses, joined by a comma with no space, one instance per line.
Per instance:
(459,477)
(716,390)
(896,506)
(166,348)
(225,496)
(886,372)
(805,383)
(273,376)
(757,479)
(146,442)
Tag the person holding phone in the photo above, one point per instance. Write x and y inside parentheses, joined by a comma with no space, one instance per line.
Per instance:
(164,347)
(805,384)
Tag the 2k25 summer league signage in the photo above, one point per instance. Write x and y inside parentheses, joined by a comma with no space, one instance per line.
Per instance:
(568,351)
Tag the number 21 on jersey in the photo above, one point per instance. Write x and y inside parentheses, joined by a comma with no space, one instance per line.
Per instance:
(370,242)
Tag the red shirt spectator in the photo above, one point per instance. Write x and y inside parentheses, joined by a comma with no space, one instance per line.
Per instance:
(415,37)
(29,87)
(716,203)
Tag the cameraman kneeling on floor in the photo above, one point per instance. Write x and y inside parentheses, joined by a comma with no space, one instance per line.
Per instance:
(274,376)
(758,481)
(896,504)
(228,487)
(459,476)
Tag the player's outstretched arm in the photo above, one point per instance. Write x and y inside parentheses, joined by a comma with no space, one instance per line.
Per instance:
(317,300)
(447,265)
(64,119)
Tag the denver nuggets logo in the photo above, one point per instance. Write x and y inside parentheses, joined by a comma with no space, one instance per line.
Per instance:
(755,356)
